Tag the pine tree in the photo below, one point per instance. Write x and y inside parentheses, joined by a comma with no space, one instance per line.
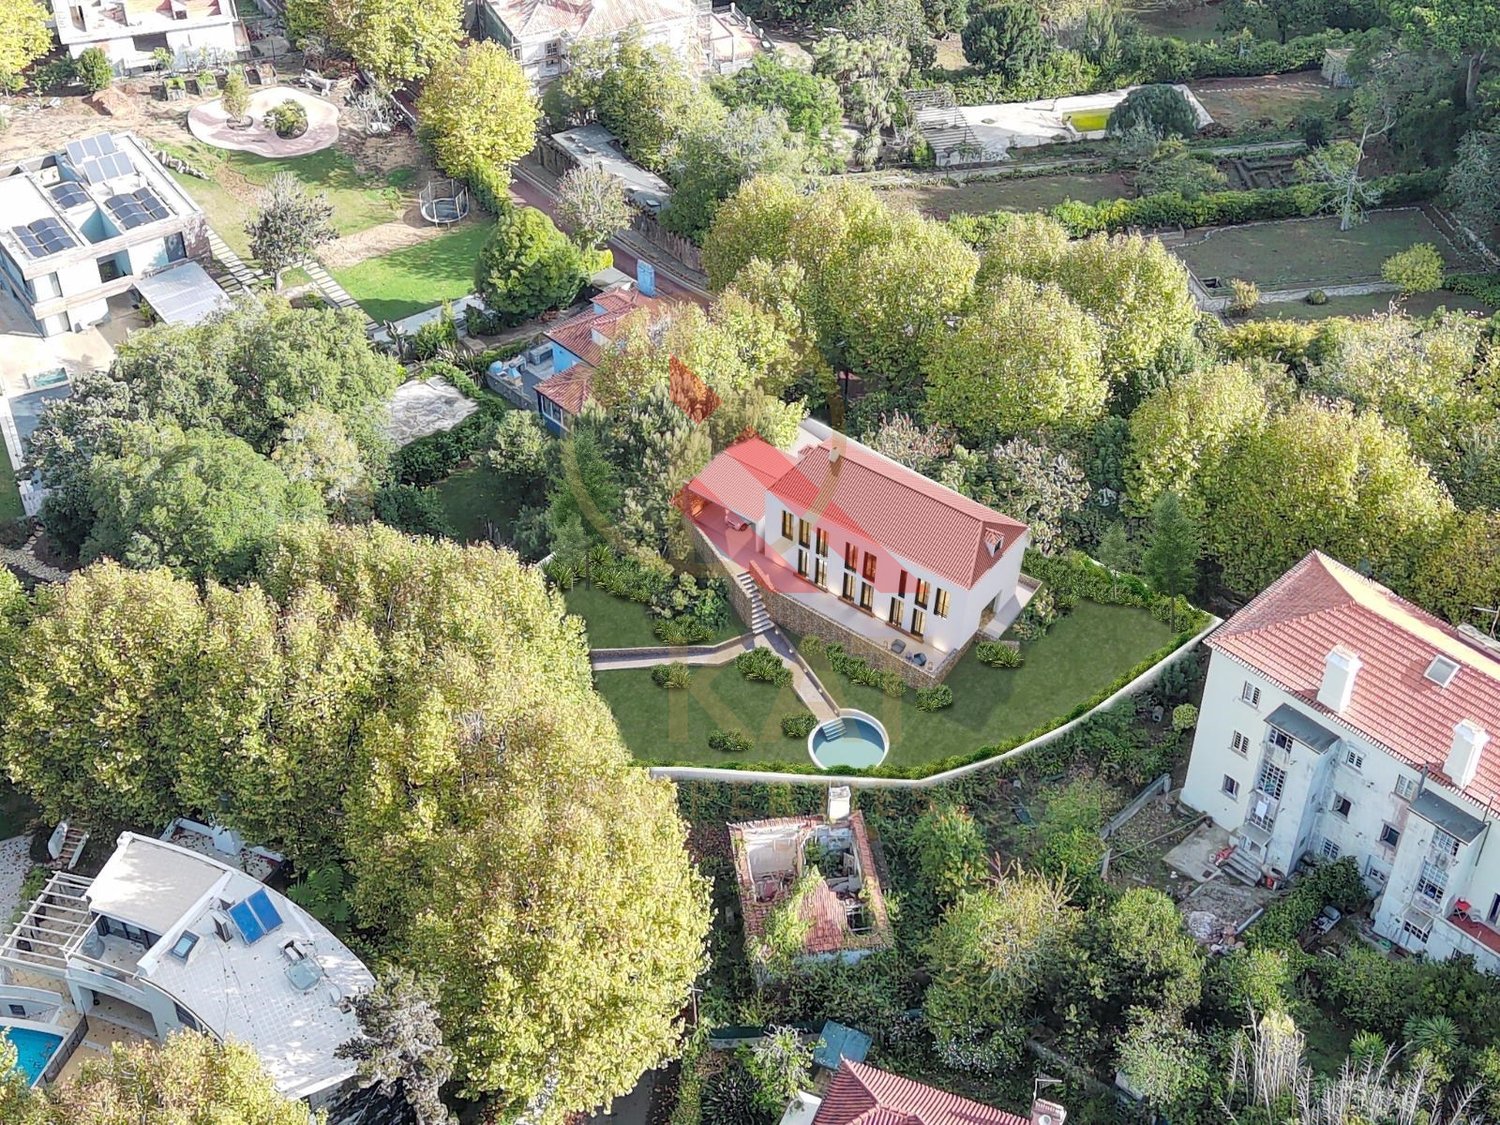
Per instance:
(1172,553)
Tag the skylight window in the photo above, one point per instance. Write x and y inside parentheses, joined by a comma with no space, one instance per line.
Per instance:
(184,945)
(1442,670)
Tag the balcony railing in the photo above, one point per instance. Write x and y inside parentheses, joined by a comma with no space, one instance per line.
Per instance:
(1263,809)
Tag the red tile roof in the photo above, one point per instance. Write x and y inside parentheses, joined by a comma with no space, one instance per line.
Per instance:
(739,477)
(863,1095)
(908,514)
(576,334)
(570,389)
(1286,632)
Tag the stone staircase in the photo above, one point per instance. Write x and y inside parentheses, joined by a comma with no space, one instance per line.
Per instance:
(332,291)
(1242,867)
(760,620)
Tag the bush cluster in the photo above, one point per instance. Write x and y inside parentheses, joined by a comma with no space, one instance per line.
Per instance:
(934,698)
(861,671)
(1484,286)
(763,664)
(684,610)
(731,741)
(998,654)
(433,458)
(1337,884)
(673,675)
(799,726)
(1165,58)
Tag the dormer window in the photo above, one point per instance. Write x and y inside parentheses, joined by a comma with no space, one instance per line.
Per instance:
(1442,670)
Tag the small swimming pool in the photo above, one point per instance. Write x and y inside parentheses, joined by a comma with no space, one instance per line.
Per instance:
(853,740)
(34,1049)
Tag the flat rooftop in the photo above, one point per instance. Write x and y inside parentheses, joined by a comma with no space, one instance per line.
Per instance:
(82,21)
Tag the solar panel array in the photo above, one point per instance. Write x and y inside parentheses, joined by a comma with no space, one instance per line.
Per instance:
(101,144)
(255,916)
(69,194)
(44,238)
(102,169)
(134,209)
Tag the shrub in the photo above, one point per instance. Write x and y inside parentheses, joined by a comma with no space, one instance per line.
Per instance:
(1337,883)
(950,850)
(1316,297)
(434,457)
(94,70)
(730,1098)
(732,741)
(763,664)
(1417,269)
(1315,128)
(1244,297)
(861,672)
(289,119)
(1484,286)
(1184,717)
(998,654)
(434,336)
(673,675)
(1177,680)
(416,511)
(1158,108)
(528,266)
(934,698)
(799,726)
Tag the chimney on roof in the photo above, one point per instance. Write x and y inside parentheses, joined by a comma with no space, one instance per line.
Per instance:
(1469,740)
(1047,1113)
(834,450)
(838,803)
(1339,669)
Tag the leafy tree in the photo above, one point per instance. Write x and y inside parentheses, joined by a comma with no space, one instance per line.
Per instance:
(316,450)
(1461,568)
(1005,39)
(203,503)
(592,204)
(584,503)
(719,152)
(477,111)
(1321,476)
(1031,481)
(528,266)
(1467,30)
(908,442)
(990,958)
(893,21)
(1173,547)
(288,225)
(1417,269)
(1162,1060)
(781,1065)
(810,101)
(1160,109)
(752,225)
(19,1103)
(1117,552)
(395,40)
(236,94)
(414,510)
(24,38)
(644,95)
(869,72)
(950,850)
(1027,359)
(192,1078)
(1174,170)
(1019,243)
(1474,179)
(1333,170)
(400,1046)
(94,70)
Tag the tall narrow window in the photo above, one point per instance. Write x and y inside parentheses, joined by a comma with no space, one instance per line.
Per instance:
(822,542)
(940,603)
(786,525)
(804,533)
(848,593)
(820,572)
(895,614)
(802,563)
(918,621)
(866,596)
(869,567)
(924,588)
(901,585)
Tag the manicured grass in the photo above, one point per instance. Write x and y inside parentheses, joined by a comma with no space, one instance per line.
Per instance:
(1082,654)
(228,198)
(1309,252)
(1417,304)
(673,724)
(10,496)
(473,498)
(613,622)
(415,278)
(940,198)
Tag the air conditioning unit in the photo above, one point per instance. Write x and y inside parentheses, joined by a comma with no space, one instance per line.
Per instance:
(222,925)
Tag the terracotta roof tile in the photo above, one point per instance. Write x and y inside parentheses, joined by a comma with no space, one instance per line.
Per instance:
(863,1095)
(570,390)
(739,477)
(1286,632)
(576,334)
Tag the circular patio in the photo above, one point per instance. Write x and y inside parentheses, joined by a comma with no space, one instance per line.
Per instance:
(210,124)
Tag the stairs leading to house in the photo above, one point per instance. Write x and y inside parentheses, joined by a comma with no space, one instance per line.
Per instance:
(1241,866)
(833,728)
(760,621)
(66,846)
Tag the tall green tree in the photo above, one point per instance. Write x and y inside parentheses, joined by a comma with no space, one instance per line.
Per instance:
(528,266)
(1468,30)
(1159,109)
(477,111)
(1173,547)
(288,225)
(1005,39)
(810,101)
(869,71)
(592,205)
(718,152)
(1474,180)
(24,38)
(395,40)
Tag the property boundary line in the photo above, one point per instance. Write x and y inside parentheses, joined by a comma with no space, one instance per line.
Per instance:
(751,777)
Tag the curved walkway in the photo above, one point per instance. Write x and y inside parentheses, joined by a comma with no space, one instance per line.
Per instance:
(210,124)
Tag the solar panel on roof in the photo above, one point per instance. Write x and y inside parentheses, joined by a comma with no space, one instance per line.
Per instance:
(69,194)
(28,241)
(151,204)
(265,910)
(126,211)
(97,145)
(52,235)
(250,928)
(105,167)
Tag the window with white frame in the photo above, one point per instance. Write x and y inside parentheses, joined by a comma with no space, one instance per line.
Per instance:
(1375,873)
(1250,694)
(1239,744)
(1354,759)
(1279,739)
(1272,780)
(1406,788)
(1231,787)
(1444,842)
(1432,881)
(1329,850)
(1421,933)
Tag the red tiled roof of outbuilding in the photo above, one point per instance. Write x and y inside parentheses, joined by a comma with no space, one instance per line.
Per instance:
(863,1095)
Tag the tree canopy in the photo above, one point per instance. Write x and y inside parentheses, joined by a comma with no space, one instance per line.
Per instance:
(528,266)
(1005,39)
(24,38)
(478,111)
(395,40)
(1159,109)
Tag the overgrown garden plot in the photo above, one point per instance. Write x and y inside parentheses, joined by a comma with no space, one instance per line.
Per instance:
(940,198)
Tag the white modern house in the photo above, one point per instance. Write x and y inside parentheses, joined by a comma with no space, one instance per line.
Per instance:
(197,32)
(1341,720)
(167,937)
(88,223)
(539,32)
(846,544)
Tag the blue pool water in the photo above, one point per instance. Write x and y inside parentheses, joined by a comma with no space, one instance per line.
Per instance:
(33,1049)
(848,742)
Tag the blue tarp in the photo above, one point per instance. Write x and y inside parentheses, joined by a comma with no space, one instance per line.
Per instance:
(840,1042)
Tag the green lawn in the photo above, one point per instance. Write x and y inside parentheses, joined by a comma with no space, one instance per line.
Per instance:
(1418,304)
(10,497)
(415,278)
(473,498)
(673,724)
(359,201)
(940,198)
(1309,252)
(613,622)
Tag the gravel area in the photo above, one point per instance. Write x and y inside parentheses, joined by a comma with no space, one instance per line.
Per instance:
(15,861)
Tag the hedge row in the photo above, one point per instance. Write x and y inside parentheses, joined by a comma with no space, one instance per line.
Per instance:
(1226,208)
(1164,58)
(1336,884)
(1482,286)
(434,457)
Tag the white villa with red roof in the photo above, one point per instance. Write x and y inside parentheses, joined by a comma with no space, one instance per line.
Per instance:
(842,543)
(1341,720)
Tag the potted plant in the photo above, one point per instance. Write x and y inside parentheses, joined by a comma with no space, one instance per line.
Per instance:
(207,83)
(289,119)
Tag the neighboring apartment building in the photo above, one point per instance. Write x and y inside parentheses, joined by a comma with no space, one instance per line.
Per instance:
(863,1095)
(80,226)
(197,32)
(166,937)
(1340,720)
(848,545)
(538,32)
